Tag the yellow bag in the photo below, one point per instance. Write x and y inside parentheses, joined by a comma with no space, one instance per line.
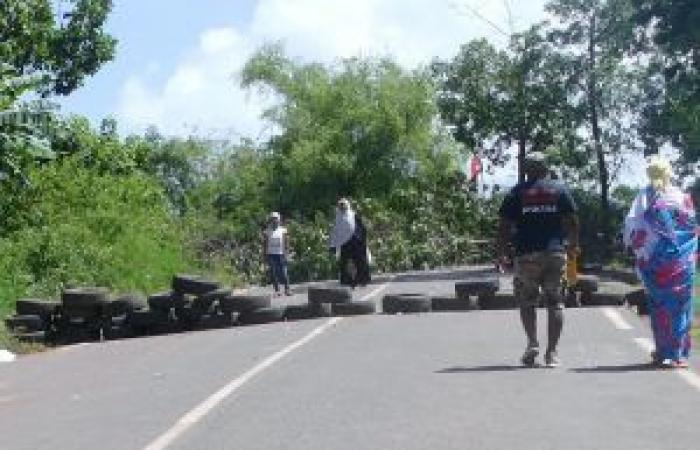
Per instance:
(571,272)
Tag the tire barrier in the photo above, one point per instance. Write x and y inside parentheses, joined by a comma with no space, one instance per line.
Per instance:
(193,303)
(406,304)
(452,304)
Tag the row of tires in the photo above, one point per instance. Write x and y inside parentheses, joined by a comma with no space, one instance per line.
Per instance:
(90,314)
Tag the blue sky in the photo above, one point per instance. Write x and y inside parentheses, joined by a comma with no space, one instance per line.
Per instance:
(153,36)
(176,60)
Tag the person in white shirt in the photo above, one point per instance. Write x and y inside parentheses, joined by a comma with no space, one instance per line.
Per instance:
(276,249)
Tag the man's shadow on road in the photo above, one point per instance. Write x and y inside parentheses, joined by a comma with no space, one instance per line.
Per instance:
(625,368)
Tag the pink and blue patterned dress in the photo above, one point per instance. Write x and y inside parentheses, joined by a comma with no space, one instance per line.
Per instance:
(661,228)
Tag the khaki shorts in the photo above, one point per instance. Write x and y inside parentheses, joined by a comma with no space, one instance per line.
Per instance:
(537,270)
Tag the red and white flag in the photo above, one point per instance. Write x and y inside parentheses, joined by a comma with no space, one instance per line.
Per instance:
(476,168)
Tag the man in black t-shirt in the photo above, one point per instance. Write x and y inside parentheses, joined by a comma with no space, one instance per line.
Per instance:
(543,215)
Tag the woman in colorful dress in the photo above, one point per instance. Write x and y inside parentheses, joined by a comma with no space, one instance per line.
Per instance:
(661,229)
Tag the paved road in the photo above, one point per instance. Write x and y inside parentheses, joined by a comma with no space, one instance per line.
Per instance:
(429,381)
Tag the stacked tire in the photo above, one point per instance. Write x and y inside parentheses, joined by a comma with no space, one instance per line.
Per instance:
(484,291)
(82,314)
(193,301)
(337,301)
(33,321)
(251,309)
(118,313)
(584,290)
(406,304)
(451,304)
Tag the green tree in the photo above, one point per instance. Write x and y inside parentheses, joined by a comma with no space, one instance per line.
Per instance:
(671,26)
(66,49)
(355,128)
(494,99)
(593,34)
(22,130)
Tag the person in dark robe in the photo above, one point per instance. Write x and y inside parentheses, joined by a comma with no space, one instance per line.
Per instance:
(349,237)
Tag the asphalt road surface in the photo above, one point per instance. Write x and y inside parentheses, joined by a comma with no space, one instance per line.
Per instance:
(425,381)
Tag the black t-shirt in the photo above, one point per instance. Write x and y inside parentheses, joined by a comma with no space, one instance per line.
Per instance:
(536,208)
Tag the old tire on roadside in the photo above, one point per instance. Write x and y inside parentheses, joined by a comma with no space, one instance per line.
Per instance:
(357,308)
(602,299)
(165,301)
(317,295)
(444,303)
(34,306)
(25,323)
(124,305)
(261,316)
(300,312)
(636,297)
(144,321)
(84,302)
(586,283)
(193,284)
(471,288)
(244,303)
(405,303)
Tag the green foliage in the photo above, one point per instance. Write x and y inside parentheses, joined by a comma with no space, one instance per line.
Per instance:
(355,128)
(593,35)
(22,135)
(495,99)
(81,226)
(671,26)
(67,50)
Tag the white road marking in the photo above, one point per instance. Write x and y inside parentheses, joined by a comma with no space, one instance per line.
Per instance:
(687,375)
(195,415)
(645,343)
(616,318)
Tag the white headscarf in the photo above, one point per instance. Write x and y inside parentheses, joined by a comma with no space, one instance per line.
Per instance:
(344,227)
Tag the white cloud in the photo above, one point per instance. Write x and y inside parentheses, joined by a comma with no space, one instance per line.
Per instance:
(200,95)
(201,91)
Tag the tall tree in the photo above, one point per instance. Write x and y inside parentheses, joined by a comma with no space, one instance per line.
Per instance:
(358,127)
(593,34)
(494,99)
(66,49)
(672,28)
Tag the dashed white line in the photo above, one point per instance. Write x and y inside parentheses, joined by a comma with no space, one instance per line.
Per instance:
(687,375)
(201,410)
(616,318)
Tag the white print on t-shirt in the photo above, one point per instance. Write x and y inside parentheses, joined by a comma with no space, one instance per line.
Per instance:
(275,240)
(540,209)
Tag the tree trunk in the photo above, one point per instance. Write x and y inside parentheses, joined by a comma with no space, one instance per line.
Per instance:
(521,158)
(603,176)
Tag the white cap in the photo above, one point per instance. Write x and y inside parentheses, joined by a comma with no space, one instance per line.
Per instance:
(275,215)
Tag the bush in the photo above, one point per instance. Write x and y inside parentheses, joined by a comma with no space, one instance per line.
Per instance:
(83,227)
(421,225)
